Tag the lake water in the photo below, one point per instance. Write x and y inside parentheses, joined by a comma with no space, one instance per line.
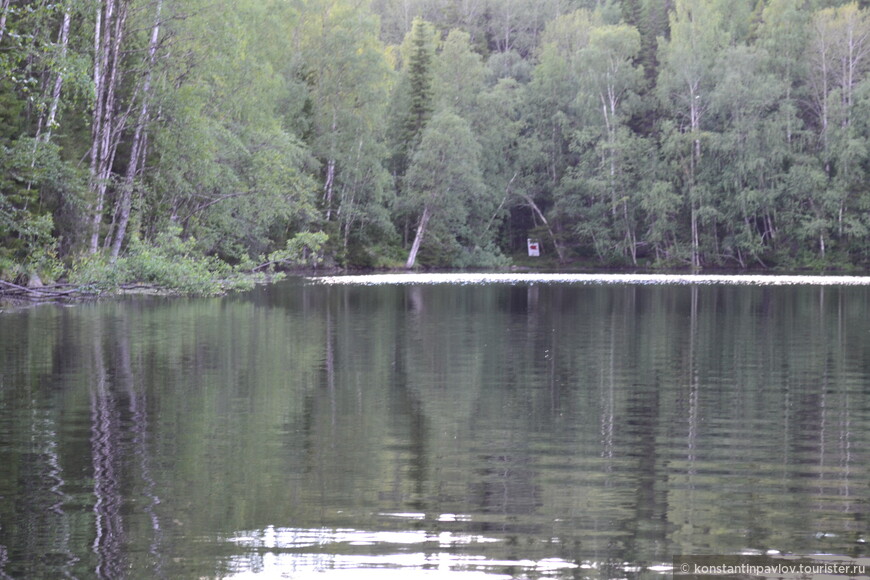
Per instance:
(516,427)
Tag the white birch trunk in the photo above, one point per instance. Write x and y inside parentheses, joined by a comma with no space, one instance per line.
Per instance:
(100,59)
(418,239)
(49,122)
(107,125)
(137,153)
(328,187)
(695,119)
(4,10)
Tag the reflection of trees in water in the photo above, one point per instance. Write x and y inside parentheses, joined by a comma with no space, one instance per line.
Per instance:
(37,526)
(635,422)
(55,477)
(505,483)
(769,420)
(832,413)
(4,562)
(140,449)
(106,459)
(119,448)
(139,435)
(43,528)
(674,412)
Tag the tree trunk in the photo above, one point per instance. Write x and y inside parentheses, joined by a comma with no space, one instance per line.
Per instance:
(137,152)
(328,187)
(696,243)
(107,459)
(631,238)
(695,113)
(106,126)
(418,239)
(49,121)
(507,192)
(4,10)
(559,251)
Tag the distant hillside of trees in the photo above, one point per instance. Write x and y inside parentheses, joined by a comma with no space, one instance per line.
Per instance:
(435,133)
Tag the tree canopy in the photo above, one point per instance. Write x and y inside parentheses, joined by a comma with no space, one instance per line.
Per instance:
(659,133)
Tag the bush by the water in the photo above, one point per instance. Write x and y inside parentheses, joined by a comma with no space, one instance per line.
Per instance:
(170,263)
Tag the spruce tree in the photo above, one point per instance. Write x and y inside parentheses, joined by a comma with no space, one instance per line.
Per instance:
(420,88)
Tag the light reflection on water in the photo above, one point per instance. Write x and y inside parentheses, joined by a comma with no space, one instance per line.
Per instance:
(641,279)
(274,552)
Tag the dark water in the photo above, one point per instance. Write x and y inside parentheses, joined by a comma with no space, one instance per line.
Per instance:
(528,431)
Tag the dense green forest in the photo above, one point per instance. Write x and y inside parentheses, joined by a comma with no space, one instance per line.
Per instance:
(149,138)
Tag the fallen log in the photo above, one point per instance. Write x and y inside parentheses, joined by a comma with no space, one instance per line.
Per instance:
(49,292)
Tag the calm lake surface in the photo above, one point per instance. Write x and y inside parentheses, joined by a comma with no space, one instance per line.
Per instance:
(521,429)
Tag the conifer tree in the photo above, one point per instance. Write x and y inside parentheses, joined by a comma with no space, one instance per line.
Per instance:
(420,87)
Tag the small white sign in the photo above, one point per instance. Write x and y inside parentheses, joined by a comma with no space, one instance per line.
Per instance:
(534,247)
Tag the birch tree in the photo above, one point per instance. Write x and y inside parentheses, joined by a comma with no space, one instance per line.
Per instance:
(838,51)
(553,116)
(48,121)
(444,181)
(459,75)
(137,147)
(107,120)
(686,76)
(747,149)
(610,77)
(4,13)
(348,80)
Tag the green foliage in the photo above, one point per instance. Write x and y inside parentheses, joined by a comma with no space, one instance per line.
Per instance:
(486,258)
(11,111)
(348,80)
(702,132)
(445,179)
(35,186)
(304,249)
(95,271)
(170,263)
(420,94)
(235,189)
(459,75)
(29,248)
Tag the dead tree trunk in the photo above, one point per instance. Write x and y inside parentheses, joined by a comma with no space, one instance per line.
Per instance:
(418,239)
(559,250)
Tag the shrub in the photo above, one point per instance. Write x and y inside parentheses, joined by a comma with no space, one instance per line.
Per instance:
(171,263)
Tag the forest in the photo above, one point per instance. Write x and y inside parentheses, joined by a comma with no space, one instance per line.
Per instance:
(185,141)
